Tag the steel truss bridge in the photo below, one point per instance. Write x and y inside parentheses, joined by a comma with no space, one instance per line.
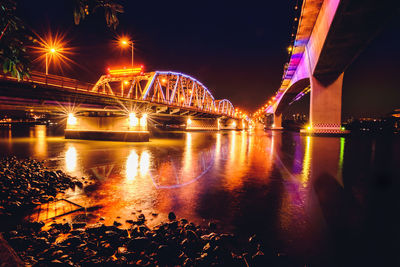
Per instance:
(161,92)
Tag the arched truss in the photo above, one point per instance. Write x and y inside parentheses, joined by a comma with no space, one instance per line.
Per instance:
(165,87)
(225,106)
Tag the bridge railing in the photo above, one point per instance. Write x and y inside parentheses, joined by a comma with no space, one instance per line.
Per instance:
(59,81)
(53,80)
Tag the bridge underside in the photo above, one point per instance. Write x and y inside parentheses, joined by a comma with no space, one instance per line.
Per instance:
(326,43)
(355,26)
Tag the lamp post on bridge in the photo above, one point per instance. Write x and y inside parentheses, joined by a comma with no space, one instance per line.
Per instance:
(50,51)
(126,42)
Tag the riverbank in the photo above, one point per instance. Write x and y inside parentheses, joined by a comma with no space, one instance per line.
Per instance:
(174,243)
(25,183)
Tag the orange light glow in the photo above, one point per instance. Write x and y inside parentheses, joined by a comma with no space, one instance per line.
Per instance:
(124,41)
(53,48)
(125,71)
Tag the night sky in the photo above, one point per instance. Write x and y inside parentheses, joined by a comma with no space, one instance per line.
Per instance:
(236,49)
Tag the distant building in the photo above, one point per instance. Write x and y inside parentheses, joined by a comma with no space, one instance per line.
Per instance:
(396,113)
(387,124)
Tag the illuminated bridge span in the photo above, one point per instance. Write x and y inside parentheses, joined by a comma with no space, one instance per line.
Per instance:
(330,35)
(120,104)
(171,89)
(165,87)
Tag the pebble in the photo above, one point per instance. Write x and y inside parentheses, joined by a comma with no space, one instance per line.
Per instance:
(171,216)
(25,183)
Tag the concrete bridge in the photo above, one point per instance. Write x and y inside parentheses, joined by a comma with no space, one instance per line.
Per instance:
(121,103)
(330,35)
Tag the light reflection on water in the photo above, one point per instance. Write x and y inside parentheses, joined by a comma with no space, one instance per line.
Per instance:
(271,183)
(70,159)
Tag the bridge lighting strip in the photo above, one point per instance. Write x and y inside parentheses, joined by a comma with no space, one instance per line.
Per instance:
(186,76)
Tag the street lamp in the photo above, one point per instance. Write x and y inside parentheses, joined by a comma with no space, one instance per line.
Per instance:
(53,49)
(126,42)
(50,51)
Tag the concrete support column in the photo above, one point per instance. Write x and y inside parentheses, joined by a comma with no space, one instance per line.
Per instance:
(111,128)
(230,124)
(277,124)
(326,107)
(202,124)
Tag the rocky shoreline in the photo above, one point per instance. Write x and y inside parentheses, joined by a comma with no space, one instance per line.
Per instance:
(26,183)
(174,243)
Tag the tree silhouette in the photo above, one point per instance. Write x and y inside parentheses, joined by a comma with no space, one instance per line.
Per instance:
(15,36)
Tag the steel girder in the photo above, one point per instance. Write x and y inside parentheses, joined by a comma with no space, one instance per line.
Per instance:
(225,106)
(164,87)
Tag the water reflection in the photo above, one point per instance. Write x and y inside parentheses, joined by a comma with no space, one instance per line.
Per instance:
(144,163)
(341,157)
(38,136)
(71,158)
(276,184)
(132,164)
(307,161)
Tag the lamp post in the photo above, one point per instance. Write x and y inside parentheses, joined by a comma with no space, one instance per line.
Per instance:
(51,50)
(125,42)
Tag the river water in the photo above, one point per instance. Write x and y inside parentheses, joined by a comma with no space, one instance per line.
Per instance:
(319,201)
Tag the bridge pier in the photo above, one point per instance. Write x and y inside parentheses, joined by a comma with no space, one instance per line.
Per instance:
(234,124)
(109,128)
(325,107)
(202,124)
(277,124)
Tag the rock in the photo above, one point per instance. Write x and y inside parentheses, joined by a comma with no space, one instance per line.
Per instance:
(72,241)
(191,235)
(78,225)
(207,248)
(212,226)
(171,216)
(117,224)
(259,259)
(138,244)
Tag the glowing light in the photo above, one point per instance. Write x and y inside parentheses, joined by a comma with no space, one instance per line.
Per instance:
(163,80)
(130,71)
(144,163)
(125,41)
(342,128)
(133,120)
(71,119)
(132,164)
(309,128)
(52,48)
(70,159)
(143,120)
(306,161)
(126,82)
(234,124)
(189,121)
(273,125)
